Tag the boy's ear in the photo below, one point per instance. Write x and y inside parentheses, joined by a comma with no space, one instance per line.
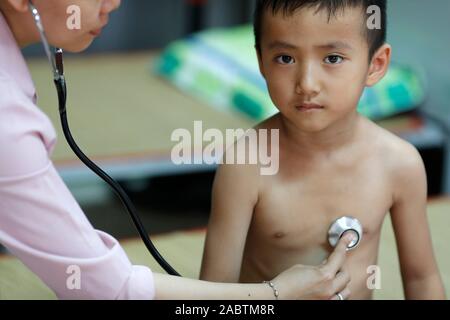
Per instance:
(19,5)
(379,65)
(261,67)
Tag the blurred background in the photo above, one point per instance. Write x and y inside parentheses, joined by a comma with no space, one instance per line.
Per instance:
(141,36)
(161,65)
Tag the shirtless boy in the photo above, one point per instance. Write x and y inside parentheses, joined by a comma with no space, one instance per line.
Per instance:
(317,56)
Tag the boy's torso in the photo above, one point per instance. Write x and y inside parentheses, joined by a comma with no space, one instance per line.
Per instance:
(296,207)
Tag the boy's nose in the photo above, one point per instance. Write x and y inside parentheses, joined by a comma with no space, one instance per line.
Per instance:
(307,83)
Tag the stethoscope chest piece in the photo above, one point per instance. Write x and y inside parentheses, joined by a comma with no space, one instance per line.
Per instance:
(342,226)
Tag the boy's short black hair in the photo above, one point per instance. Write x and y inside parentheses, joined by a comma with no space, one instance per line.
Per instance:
(375,38)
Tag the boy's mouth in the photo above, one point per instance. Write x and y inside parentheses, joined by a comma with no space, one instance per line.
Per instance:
(308,107)
(96,33)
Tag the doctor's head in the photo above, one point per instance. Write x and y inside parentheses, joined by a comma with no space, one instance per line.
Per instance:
(69,24)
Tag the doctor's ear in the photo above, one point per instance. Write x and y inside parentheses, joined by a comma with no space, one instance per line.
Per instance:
(18,5)
(379,65)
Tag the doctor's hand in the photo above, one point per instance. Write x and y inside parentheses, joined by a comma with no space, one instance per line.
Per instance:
(327,281)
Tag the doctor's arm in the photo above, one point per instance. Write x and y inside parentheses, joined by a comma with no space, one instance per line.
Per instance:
(299,282)
(421,278)
(42,224)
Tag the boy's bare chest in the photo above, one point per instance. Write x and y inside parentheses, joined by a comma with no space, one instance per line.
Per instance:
(301,208)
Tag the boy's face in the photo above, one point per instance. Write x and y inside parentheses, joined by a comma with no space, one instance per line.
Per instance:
(307,59)
(94,16)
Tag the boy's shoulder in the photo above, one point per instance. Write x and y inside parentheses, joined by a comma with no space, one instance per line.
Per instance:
(401,158)
(394,145)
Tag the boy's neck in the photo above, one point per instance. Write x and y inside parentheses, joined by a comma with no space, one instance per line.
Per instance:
(330,140)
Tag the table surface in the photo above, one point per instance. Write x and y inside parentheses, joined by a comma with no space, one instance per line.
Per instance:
(116,107)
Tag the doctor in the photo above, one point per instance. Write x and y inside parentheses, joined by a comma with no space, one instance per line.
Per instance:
(42,224)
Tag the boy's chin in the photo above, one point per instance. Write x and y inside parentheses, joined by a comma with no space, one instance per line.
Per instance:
(311,126)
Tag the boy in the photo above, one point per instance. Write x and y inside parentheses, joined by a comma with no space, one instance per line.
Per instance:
(317,56)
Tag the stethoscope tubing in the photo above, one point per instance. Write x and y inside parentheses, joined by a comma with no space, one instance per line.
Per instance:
(56,61)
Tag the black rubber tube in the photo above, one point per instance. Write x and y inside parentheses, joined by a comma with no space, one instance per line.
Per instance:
(62,99)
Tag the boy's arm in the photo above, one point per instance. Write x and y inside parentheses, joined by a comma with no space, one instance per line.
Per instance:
(421,278)
(234,195)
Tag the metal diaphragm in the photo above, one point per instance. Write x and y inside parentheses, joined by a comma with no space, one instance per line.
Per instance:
(342,226)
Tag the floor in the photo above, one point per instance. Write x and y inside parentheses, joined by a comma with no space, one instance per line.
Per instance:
(183,250)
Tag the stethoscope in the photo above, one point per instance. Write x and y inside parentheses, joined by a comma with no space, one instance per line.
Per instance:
(56,61)
(338,229)
(341,227)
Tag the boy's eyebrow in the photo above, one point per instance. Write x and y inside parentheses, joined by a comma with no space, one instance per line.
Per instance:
(332,45)
(281,45)
(336,45)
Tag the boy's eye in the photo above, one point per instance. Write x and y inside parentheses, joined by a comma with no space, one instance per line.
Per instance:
(285,59)
(334,59)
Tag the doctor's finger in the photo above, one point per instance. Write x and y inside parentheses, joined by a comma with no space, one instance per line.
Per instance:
(337,257)
(345,294)
(341,281)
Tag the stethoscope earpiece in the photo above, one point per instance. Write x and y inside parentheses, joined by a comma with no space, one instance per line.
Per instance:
(343,226)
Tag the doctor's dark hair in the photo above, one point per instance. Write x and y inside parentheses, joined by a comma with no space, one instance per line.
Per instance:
(375,38)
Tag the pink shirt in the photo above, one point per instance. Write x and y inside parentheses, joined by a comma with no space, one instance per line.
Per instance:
(40,221)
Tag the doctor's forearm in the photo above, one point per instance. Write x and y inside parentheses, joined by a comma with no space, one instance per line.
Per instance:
(176,288)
